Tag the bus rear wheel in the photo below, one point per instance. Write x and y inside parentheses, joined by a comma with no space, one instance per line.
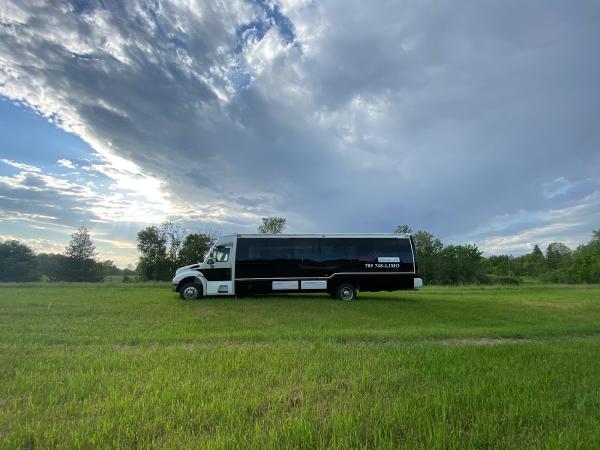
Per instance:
(346,292)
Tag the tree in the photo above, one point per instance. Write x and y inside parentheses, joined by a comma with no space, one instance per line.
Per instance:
(81,246)
(168,246)
(585,265)
(502,265)
(174,235)
(51,265)
(110,268)
(154,263)
(428,250)
(533,264)
(557,255)
(17,262)
(194,248)
(129,270)
(272,225)
(460,264)
(403,229)
(470,264)
(80,263)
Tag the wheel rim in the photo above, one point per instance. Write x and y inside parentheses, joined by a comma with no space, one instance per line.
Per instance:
(190,293)
(347,293)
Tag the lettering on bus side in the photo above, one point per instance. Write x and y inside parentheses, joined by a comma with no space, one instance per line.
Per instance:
(382,266)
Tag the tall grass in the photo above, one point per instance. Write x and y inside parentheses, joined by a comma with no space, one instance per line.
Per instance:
(99,366)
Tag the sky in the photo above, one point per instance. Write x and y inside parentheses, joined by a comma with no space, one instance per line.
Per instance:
(476,121)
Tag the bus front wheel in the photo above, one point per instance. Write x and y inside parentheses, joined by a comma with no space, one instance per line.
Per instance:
(191,291)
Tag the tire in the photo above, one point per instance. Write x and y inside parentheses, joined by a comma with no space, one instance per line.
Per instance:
(191,291)
(346,292)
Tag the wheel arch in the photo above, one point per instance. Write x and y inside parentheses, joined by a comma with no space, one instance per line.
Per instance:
(336,280)
(192,279)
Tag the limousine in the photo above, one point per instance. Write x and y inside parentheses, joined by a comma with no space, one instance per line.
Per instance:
(339,264)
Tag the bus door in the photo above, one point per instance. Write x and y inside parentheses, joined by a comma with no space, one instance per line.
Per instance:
(218,274)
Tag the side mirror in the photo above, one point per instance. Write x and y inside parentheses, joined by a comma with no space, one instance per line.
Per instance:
(210,261)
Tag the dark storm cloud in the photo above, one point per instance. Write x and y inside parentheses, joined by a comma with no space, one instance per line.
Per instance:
(342,116)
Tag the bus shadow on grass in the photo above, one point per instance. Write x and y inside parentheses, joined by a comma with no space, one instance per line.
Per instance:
(371,297)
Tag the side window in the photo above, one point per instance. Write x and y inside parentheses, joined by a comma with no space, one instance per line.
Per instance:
(222,254)
(395,247)
(242,250)
(406,255)
(352,249)
(306,249)
(280,249)
(258,249)
(386,247)
(332,249)
(368,249)
(251,249)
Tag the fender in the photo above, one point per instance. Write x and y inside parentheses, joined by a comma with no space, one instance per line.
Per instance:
(197,275)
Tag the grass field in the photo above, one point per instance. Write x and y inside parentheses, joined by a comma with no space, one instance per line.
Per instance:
(100,366)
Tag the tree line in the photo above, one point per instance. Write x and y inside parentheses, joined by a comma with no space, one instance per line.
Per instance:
(19,263)
(163,248)
(559,264)
(457,264)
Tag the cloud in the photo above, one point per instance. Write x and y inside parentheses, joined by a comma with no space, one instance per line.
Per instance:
(66,163)
(559,186)
(38,245)
(125,199)
(518,233)
(21,166)
(339,116)
(16,215)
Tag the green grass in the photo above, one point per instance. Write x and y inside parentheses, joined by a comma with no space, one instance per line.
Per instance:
(131,365)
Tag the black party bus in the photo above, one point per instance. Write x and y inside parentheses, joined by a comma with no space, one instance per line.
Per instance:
(339,264)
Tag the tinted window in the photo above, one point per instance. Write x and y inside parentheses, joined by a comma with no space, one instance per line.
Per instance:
(332,249)
(406,254)
(306,249)
(264,249)
(370,249)
(252,249)
(280,249)
(387,247)
(323,249)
